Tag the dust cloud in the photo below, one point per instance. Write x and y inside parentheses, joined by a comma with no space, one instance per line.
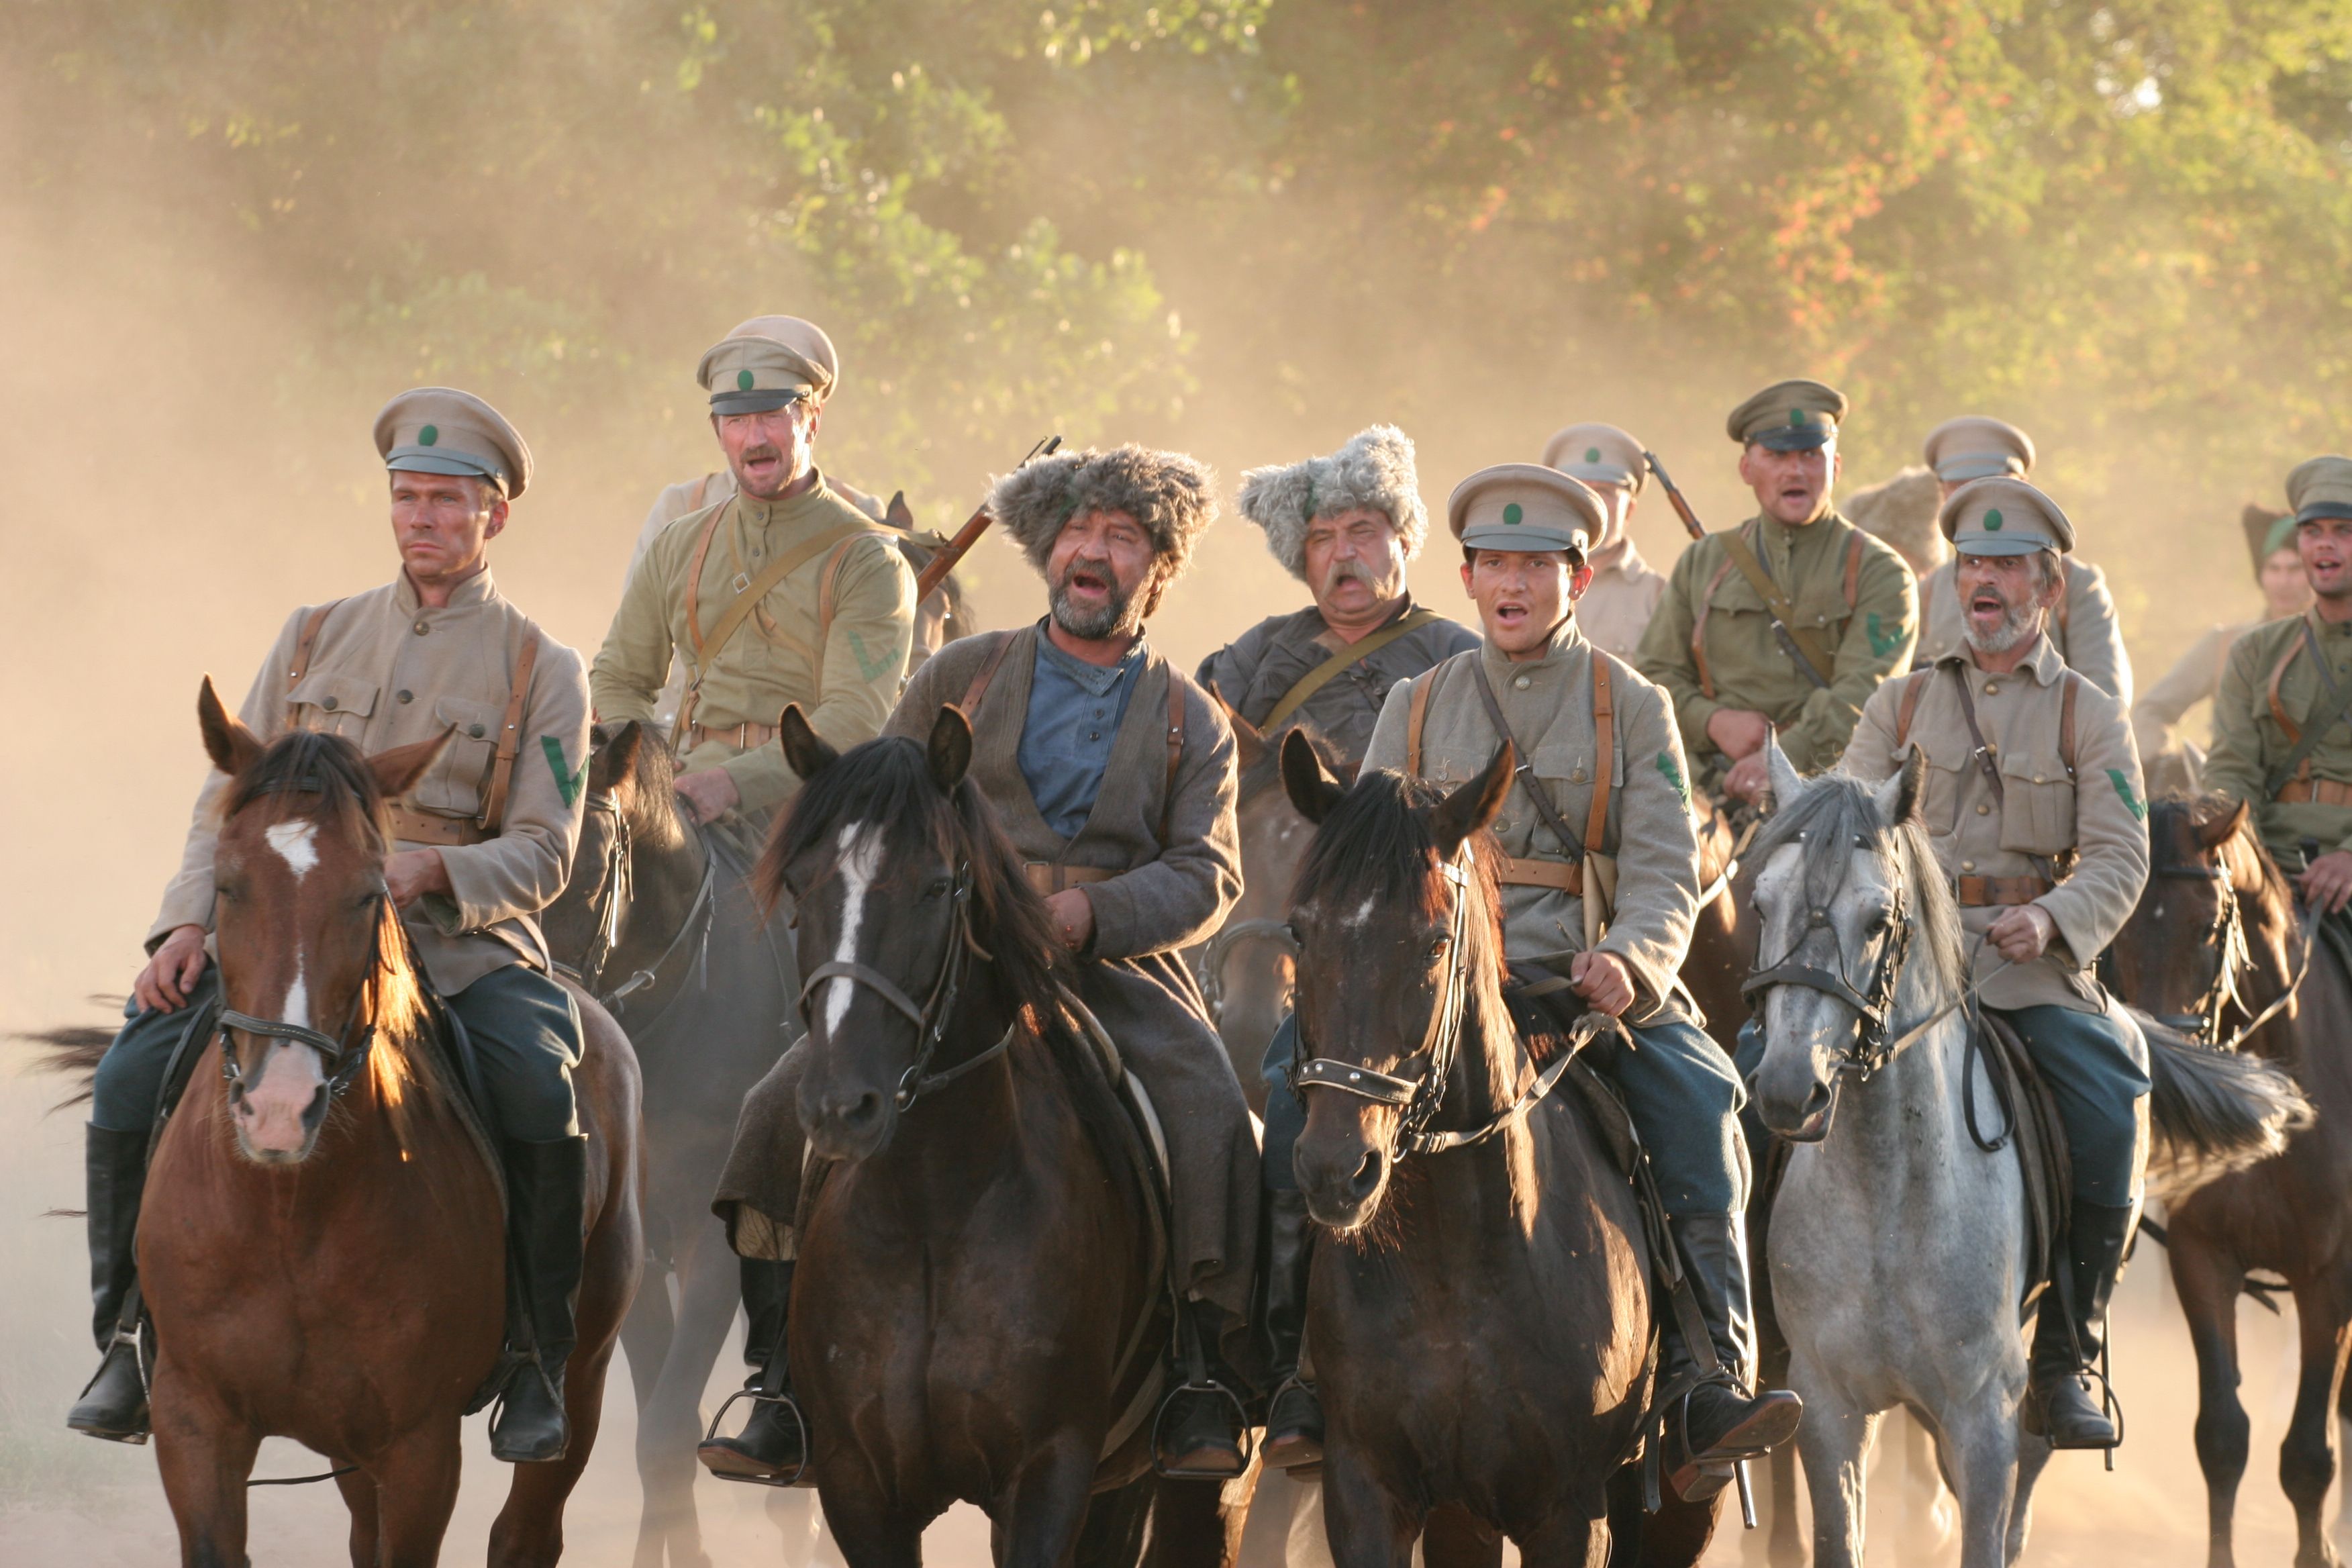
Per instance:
(180,473)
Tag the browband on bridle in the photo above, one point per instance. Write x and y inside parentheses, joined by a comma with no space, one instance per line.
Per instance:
(1871,1048)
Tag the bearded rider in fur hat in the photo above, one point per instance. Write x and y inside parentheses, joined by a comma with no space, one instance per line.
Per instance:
(1114,776)
(1346,525)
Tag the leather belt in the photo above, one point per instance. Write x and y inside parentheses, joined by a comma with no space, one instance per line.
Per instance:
(1981,892)
(2322,792)
(742,737)
(1565,876)
(1048,878)
(415,826)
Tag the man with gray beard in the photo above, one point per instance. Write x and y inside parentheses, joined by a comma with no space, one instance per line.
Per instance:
(2032,800)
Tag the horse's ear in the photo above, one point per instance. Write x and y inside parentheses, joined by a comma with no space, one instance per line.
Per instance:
(2220,830)
(808,752)
(1249,740)
(1899,798)
(1787,783)
(1472,807)
(949,755)
(1304,779)
(232,747)
(397,769)
(617,754)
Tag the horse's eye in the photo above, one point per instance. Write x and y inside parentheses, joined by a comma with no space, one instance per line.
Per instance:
(940,888)
(1437,949)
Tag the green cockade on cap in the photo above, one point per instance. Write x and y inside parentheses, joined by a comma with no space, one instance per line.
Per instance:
(1593,454)
(1797,418)
(743,380)
(428,436)
(1992,520)
(1511,513)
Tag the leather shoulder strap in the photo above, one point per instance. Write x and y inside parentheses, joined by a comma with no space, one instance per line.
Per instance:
(1416,714)
(1604,758)
(1907,707)
(2066,720)
(694,577)
(1983,753)
(1852,569)
(986,673)
(1524,772)
(1807,640)
(2298,761)
(494,801)
(1323,673)
(828,584)
(1176,684)
(1698,629)
(303,644)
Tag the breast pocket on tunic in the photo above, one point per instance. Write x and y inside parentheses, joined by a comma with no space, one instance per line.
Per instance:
(333,703)
(453,786)
(1941,784)
(1563,769)
(2038,810)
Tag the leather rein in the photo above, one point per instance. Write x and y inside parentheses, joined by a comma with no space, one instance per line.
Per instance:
(931,1018)
(1419,1098)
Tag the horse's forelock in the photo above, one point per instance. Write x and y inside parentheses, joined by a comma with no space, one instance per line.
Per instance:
(1838,814)
(1376,845)
(308,774)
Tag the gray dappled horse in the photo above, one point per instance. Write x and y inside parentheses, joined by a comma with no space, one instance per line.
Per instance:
(1898,1248)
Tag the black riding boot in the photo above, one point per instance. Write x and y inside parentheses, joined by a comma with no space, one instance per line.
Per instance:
(547,1190)
(1718,1422)
(2059,1401)
(1198,1432)
(773,1445)
(114,1404)
(1294,1422)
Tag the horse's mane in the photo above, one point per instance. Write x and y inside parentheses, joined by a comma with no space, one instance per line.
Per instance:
(1375,844)
(646,796)
(1837,813)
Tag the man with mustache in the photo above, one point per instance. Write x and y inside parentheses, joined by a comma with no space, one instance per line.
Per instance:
(2083,627)
(480,846)
(1787,623)
(2032,800)
(775,593)
(1113,776)
(2280,736)
(1347,525)
(1625,588)
(1600,887)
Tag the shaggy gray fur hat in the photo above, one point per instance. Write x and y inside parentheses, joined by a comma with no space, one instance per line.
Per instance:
(1902,511)
(1173,496)
(1373,469)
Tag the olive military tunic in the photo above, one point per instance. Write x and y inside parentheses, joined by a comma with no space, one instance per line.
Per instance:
(2270,674)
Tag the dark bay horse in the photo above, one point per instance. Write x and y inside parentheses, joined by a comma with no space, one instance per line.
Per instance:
(978,1311)
(321,1248)
(2216,941)
(1480,1317)
(683,961)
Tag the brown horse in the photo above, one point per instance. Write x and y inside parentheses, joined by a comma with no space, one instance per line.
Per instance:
(321,1248)
(980,1307)
(2215,942)
(1481,1317)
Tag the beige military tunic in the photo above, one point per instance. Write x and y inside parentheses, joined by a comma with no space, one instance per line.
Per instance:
(2085,628)
(1548,704)
(2043,822)
(384,672)
(1624,597)
(846,685)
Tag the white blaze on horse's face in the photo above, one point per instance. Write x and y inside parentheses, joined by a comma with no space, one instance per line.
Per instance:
(860,860)
(273,1116)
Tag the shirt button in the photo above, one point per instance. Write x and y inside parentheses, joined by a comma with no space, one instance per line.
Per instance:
(329,705)
(420,628)
(1983,809)
(1094,734)
(475,730)
(1968,864)
(1522,683)
(406,696)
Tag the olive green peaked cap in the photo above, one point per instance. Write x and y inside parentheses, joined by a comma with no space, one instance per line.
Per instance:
(767,363)
(1598,454)
(1788,417)
(2004,516)
(1525,506)
(2320,487)
(441,430)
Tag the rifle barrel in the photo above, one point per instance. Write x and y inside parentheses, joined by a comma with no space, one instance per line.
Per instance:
(1682,506)
(975,526)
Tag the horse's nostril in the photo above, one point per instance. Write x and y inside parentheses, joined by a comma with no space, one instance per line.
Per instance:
(1367,1175)
(863,1112)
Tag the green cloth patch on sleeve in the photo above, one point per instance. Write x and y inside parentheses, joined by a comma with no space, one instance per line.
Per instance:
(1884,642)
(2132,802)
(567,781)
(1668,766)
(876,669)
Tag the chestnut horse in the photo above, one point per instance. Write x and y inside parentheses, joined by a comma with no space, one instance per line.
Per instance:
(2215,943)
(1480,1315)
(322,1250)
(978,1309)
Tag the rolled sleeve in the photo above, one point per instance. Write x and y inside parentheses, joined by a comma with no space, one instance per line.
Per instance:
(1184,895)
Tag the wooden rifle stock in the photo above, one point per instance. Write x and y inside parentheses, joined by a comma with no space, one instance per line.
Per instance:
(968,535)
(1691,523)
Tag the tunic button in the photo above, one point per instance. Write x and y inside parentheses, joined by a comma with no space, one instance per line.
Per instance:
(407,696)
(475,730)
(420,628)
(1983,810)
(2037,778)
(1522,683)
(1576,775)
(1968,864)
(1992,689)
(329,705)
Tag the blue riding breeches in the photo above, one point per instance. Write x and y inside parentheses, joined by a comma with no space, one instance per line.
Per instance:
(525,1030)
(1676,1083)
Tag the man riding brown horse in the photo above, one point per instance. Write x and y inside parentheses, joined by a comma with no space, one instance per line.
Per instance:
(482,843)
(1599,887)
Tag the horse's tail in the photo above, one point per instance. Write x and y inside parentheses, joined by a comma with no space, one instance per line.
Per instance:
(2212,1112)
(73,1051)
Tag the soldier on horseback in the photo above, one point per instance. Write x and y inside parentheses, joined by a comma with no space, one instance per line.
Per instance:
(1787,623)
(1600,888)
(776,591)
(1346,525)
(2082,626)
(2033,805)
(480,846)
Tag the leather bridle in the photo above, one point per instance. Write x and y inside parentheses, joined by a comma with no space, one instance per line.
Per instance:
(341,1055)
(931,1018)
(1220,947)
(1799,966)
(610,904)
(2226,938)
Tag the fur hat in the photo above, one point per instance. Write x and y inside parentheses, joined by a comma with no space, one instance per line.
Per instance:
(2260,526)
(1902,511)
(1173,496)
(1373,469)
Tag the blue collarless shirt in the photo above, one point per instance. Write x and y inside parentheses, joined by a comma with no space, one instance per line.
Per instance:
(1074,709)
